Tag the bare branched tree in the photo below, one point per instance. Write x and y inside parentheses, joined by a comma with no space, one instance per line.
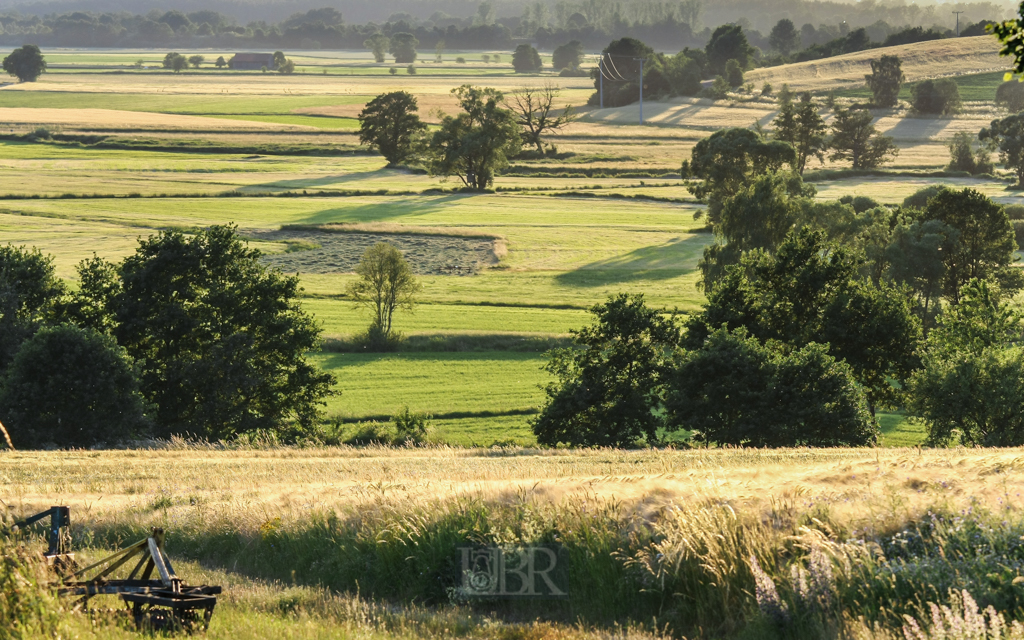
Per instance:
(536,113)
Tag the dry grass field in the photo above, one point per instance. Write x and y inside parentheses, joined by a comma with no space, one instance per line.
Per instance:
(921,60)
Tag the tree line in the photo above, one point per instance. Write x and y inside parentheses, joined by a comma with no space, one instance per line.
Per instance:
(667,25)
(818,314)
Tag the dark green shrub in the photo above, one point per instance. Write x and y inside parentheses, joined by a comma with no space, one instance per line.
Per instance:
(940,96)
(73,388)
(1011,95)
(736,391)
(919,199)
(1014,212)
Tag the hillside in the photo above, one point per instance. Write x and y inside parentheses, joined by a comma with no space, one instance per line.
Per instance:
(951,57)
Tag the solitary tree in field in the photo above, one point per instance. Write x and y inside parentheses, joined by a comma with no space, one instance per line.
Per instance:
(803,127)
(196,60)
(568,56)
(525,59)
(26,63)
(854,138)
(478,142)
(784,37)
(175,62)
(385,284)
(533,109)
(403,47)
(388,123)
(221,62)
(378,43)
(1009,134)
(439,51)
(885,80)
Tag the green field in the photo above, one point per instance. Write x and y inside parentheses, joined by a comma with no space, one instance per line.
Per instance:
(978,87)
(566,240)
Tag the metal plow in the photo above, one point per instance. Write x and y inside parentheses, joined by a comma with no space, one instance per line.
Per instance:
(160,602)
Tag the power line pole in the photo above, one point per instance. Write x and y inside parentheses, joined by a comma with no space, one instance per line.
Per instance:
(958,22)
(600,75)
(641,90)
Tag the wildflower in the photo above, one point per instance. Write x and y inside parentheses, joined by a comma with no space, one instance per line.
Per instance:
(767,595)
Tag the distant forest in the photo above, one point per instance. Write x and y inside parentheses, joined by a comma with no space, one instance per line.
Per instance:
(665,24)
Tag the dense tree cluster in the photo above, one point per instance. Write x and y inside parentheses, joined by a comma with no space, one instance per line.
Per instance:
(191,335)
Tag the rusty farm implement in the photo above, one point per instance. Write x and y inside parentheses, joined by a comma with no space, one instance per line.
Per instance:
(155,596)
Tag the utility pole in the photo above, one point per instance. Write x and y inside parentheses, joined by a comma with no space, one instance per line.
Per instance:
(600,75)
(958,22)
(641,90)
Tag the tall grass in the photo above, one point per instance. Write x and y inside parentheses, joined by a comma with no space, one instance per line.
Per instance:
(704,570)
(28,609)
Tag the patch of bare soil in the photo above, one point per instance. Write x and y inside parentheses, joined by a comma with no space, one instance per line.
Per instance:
(334,252)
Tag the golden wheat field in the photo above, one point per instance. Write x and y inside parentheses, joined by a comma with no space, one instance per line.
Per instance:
(863,486)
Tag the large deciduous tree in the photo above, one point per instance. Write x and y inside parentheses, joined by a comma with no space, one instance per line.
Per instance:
(971,387)
(726,161)
(784,37)
(568,56)
(811,291)
(386,284)
(885,80)
(982,242)
(525,59)
(620,66)
(854,138)
(30,293)
(802,127)
(478,142)
(25,63)
(219,338)
(533,108)
(728,42)
(403,47)
(378,44)
(608,387)
(1009,134)
(389,123)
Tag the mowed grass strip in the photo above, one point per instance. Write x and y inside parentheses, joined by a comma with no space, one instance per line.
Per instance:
(381,385)
(343,317)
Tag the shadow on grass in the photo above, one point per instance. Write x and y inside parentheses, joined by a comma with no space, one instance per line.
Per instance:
(676,257)
(313,183)
(388,209)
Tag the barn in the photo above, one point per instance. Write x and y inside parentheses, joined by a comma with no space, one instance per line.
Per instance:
(252,61)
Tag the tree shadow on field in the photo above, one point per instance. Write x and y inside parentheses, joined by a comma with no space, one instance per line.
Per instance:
(918,129)
(675,258)
(388,209)
(312,183)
